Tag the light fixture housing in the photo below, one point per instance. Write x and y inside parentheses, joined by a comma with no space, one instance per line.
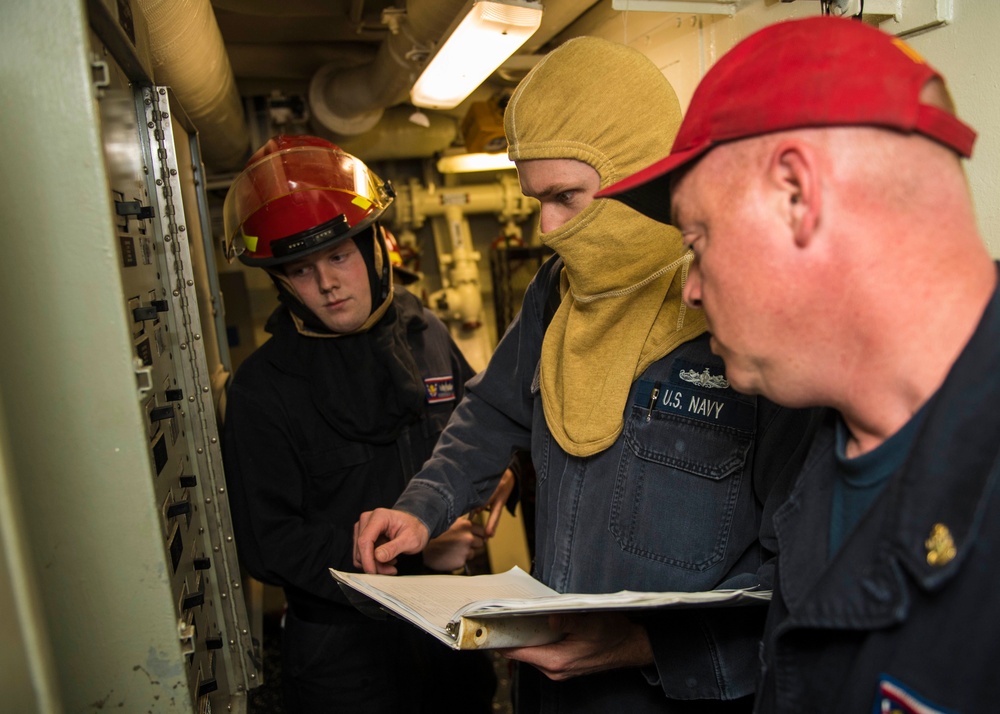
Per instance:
(486,33)
(469,163)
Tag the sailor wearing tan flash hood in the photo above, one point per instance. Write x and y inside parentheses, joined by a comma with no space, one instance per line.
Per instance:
(652,473)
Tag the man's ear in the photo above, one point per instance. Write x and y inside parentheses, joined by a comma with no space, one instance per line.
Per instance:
(794,171)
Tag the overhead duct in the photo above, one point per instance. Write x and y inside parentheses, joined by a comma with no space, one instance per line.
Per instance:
(189,55)
(352,101)
(395,136)
(292,61)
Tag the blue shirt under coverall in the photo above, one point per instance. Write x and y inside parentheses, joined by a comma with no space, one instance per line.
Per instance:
(677,503)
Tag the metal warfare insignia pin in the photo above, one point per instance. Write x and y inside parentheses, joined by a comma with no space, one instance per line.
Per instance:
(940,546)
(704,379)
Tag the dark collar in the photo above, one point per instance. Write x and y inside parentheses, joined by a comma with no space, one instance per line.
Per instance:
(924,524)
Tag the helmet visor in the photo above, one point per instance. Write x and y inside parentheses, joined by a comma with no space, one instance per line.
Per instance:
(321,183)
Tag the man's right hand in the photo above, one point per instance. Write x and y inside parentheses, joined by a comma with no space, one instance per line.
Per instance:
(382,535)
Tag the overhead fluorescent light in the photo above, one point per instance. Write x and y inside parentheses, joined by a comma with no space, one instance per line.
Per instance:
(468,163)
(487,34)
(697,7)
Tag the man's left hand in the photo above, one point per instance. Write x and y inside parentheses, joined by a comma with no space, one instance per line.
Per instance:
(455,547)
(594,642)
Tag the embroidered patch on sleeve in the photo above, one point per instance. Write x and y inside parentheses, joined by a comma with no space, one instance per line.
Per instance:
(440,389)
(896,698)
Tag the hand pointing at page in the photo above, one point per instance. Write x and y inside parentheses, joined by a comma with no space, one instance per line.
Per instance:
(382,535)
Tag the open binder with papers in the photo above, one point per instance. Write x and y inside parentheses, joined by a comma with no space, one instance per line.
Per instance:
(508,609)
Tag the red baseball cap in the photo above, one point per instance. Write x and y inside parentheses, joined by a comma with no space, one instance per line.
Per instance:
(813,72)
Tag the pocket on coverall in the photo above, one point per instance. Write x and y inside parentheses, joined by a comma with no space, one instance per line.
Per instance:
(677,485)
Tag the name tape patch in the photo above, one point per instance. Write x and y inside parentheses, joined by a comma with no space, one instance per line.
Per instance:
(440,389)
(696,393)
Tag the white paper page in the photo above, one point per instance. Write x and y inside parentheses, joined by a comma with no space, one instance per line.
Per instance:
(623,600)
(434,599)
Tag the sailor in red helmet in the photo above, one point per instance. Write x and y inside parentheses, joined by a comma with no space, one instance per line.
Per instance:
(331,417)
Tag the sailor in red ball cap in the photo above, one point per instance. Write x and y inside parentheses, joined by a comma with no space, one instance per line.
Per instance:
(839,264)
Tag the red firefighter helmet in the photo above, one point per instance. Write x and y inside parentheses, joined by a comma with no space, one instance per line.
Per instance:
(296,195)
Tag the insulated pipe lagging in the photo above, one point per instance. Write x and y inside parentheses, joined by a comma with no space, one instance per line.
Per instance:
(351,101)
(190,57)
